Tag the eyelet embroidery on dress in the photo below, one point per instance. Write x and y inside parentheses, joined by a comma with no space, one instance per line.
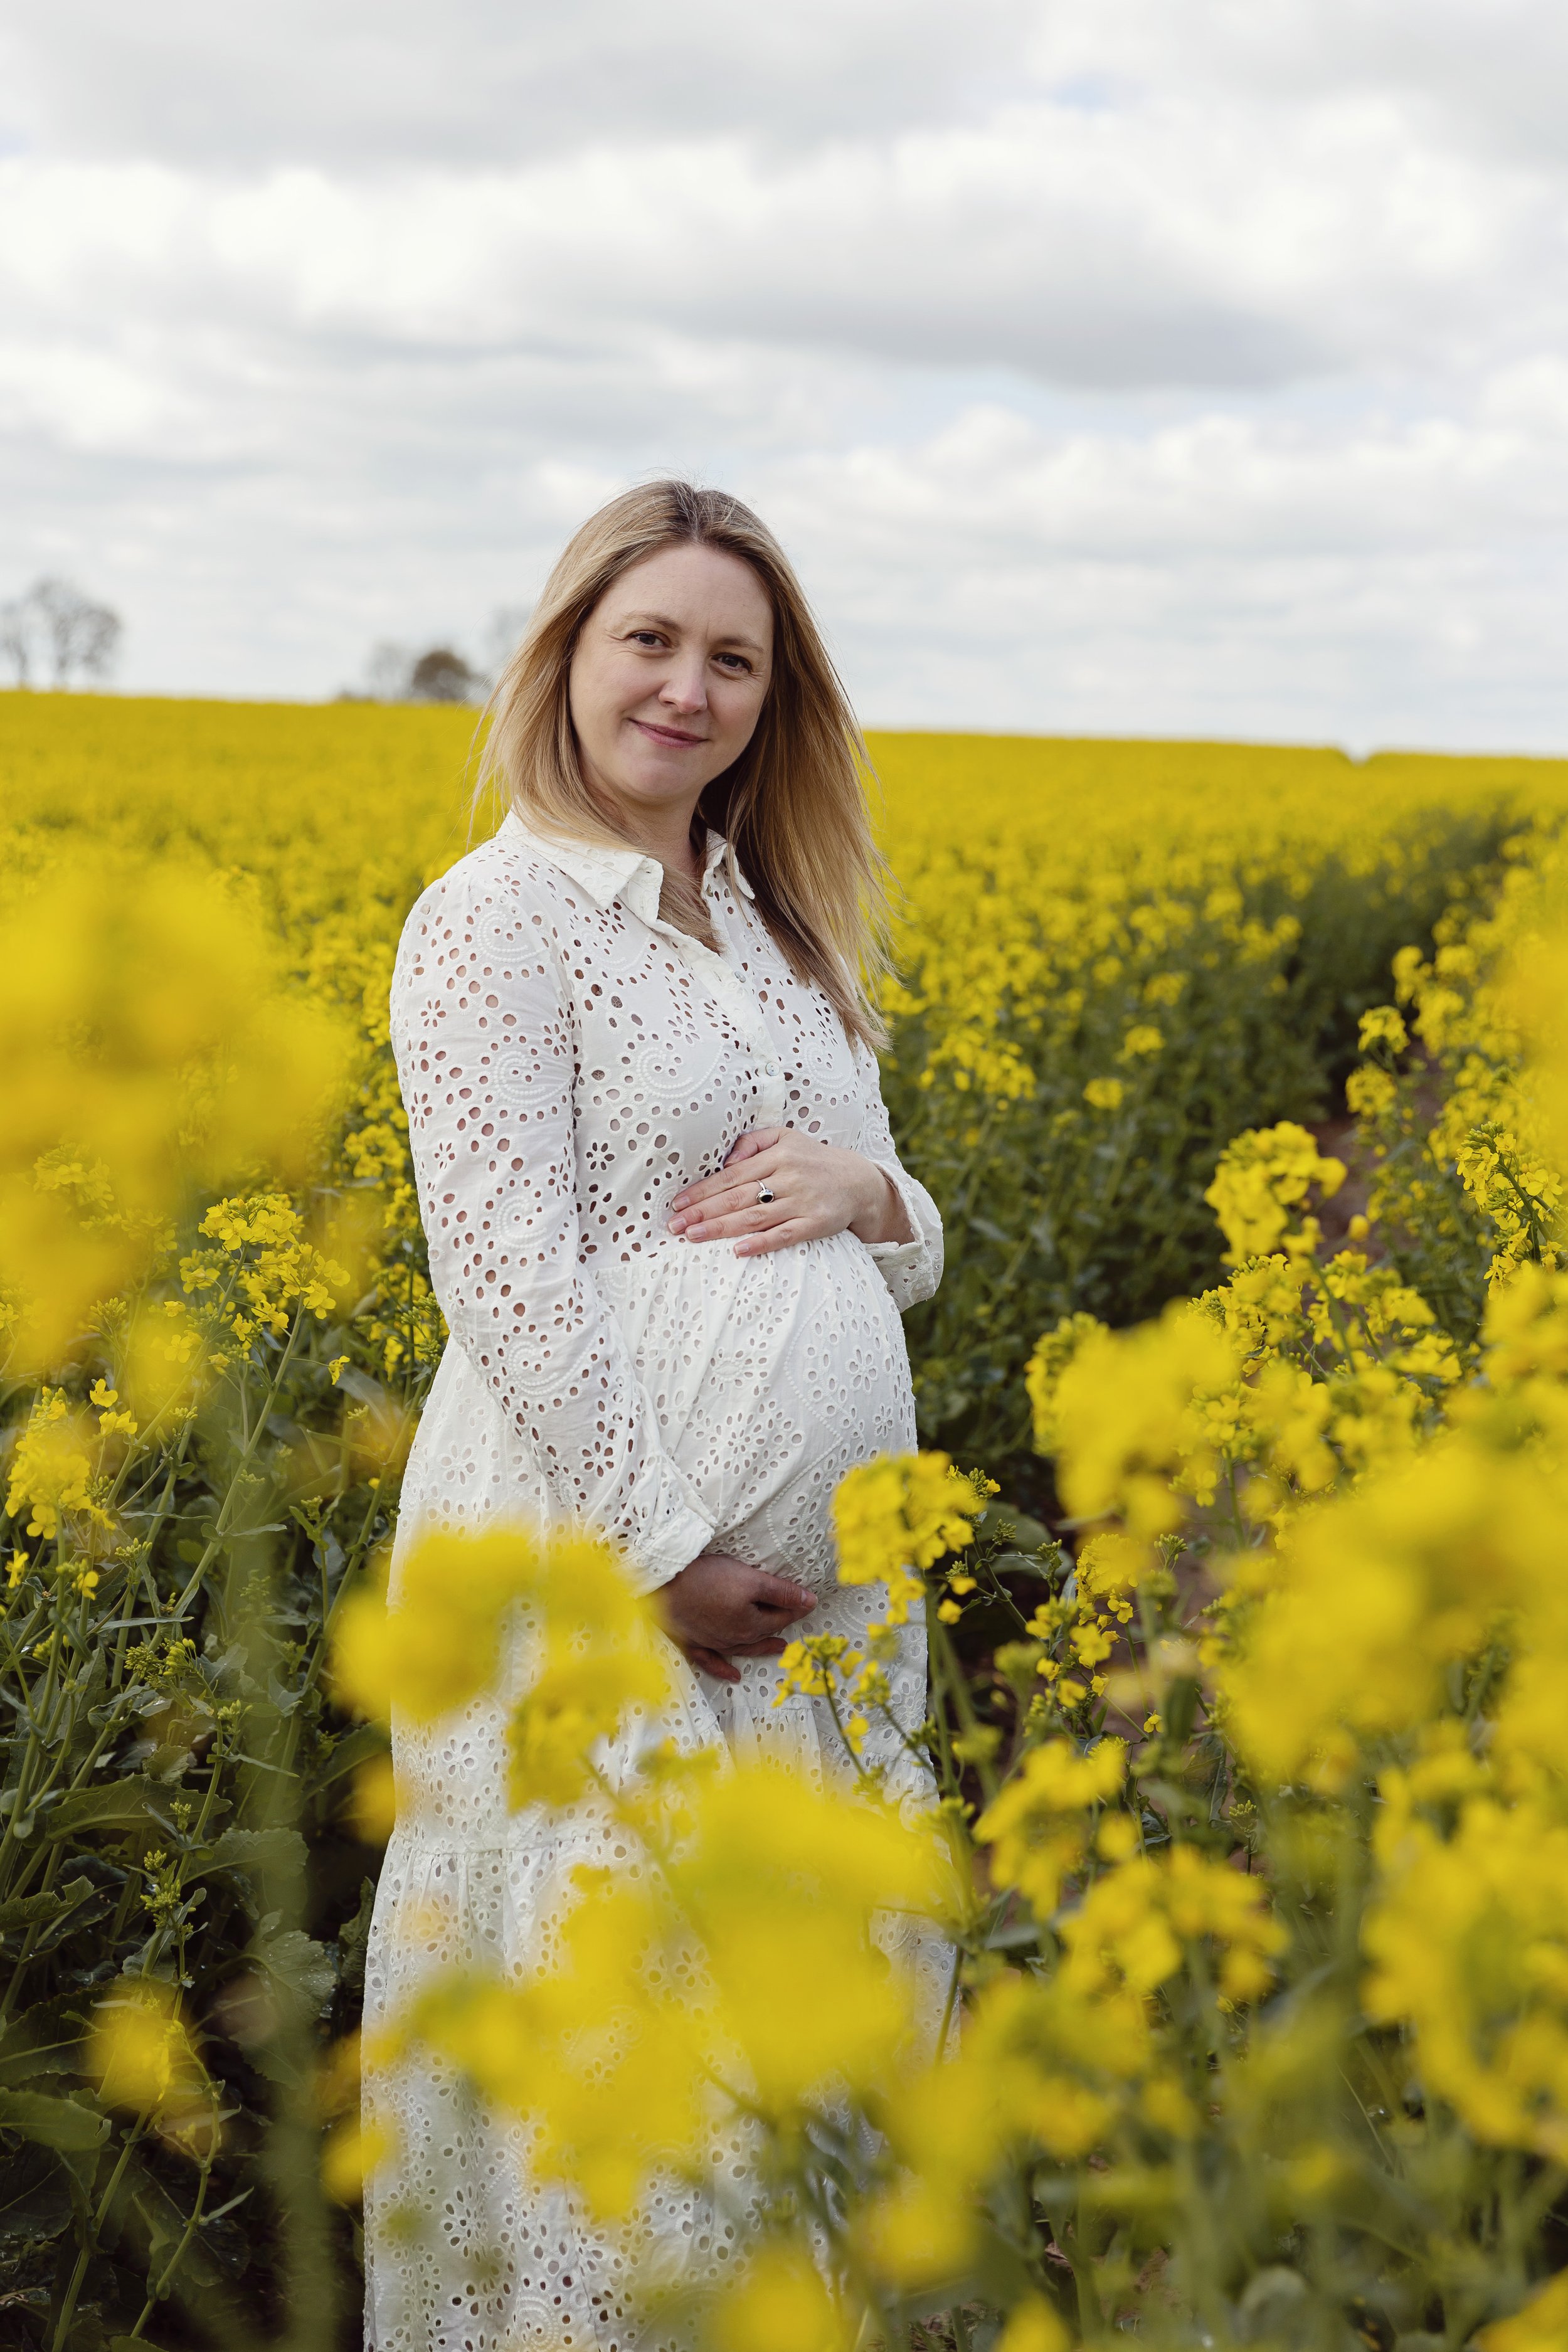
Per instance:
(567,1065)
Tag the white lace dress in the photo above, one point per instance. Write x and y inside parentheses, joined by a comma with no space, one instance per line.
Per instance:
(568,1063)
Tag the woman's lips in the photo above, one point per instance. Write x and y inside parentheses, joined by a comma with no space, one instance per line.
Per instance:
(669,734)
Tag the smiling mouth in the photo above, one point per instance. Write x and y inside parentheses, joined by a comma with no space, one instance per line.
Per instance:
(669,734)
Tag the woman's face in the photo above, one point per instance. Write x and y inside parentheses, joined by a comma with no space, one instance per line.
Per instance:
(668,677)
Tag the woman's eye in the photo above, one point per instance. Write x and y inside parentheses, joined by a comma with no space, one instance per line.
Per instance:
(736,661)
(646,637)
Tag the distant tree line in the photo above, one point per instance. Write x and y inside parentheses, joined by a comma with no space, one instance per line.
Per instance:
(56,632)
(399,673)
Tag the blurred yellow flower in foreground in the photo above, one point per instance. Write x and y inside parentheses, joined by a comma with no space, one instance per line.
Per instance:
(1038,1828)
(1033,2326)
(593,1645)
(149,1045)
(1541,2326)
(899,1513)
(780,2304)
(143,2058)
(352,2153)
(676,2000)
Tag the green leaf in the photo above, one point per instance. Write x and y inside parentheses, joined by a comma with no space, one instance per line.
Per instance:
(299,1966)
(1023,1563)
(35,2198)
(53,2123)
(116,1804)
(274,1849)
(361,1746)
(130,1804)
(353,1935)
(45,2040)
(150,2217)
(1015,1939)
(32,1910)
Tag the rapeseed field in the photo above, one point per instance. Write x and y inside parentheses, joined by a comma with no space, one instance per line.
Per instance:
(1114,957)
(1240,1075)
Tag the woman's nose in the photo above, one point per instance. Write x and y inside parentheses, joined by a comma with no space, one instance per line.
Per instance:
(684,689)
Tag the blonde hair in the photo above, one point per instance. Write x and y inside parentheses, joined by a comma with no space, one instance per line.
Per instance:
(793,806)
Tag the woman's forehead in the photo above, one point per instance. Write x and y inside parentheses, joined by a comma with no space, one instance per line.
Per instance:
(687,586)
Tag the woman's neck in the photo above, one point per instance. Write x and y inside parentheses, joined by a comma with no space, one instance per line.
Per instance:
(665,834)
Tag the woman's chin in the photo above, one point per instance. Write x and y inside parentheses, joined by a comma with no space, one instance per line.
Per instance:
(658,781)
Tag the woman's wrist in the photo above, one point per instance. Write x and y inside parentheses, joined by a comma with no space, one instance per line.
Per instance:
(884,1217)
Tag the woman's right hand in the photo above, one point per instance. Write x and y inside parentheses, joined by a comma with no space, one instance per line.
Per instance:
(719,1609)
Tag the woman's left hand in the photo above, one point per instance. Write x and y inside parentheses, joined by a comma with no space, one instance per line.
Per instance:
(816,1189)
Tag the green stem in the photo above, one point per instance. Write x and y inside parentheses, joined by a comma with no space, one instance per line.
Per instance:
(90,2244)
(356,1550)
(159,2290)
(253,1439)
(954,1683)
(948,2004)
(150,1538)
(30,1756)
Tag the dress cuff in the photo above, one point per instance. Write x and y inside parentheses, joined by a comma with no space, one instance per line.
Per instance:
(892,1255)
(657,1559)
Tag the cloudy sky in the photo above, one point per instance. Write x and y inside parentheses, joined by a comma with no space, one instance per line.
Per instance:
(1108,366)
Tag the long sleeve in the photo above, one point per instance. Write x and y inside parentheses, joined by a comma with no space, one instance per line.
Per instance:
(485,1053)
(912,1270)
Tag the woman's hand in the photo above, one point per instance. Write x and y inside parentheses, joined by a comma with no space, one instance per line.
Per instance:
(816,1189)
(719,1609)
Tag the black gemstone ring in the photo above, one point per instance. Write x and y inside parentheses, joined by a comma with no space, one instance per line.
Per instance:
(764,1195)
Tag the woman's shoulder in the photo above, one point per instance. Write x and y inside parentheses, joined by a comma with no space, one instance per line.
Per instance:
(503,874)
(499,905)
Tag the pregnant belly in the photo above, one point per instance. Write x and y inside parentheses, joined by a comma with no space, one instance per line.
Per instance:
(770,1377)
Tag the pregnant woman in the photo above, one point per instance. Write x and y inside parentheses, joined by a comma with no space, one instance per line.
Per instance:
(671,1237)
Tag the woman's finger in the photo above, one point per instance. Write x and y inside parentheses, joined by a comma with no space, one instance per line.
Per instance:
(772,1592)
(707,1188)
(760,1140)
(757,1139)
(710,1661)
(739,1212)
(723,1195)
(736,1199)
(696,1197)
(777,1237)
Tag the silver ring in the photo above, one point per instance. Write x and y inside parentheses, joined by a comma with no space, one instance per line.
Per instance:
(764,1195)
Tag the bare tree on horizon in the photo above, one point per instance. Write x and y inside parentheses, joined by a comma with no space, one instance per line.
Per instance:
(394,673)
(55,625)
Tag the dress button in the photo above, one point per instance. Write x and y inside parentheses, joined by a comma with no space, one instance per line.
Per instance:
(770,1069)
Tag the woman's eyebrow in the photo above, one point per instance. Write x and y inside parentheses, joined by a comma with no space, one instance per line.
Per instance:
(662,621)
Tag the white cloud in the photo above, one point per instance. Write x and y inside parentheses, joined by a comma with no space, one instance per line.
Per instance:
(1145,363)
(386,83)
(1219,574)
(1127,248)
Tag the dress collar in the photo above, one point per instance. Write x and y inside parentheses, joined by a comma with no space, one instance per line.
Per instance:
(606,873)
